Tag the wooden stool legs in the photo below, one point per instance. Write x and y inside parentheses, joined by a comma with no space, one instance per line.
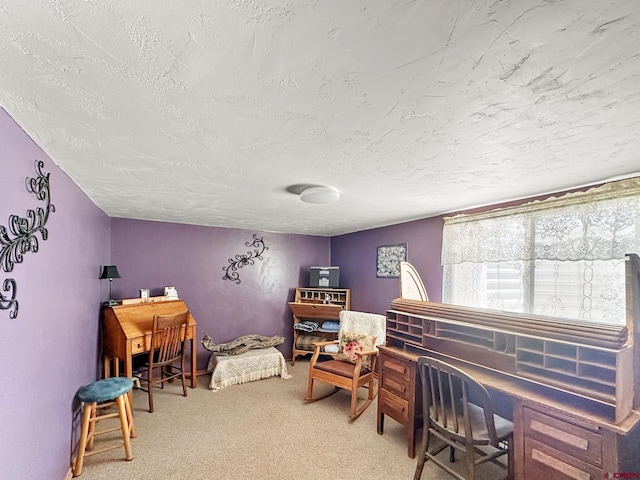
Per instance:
(88,432)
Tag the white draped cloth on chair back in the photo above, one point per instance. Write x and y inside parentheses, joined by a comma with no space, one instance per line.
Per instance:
(364,323)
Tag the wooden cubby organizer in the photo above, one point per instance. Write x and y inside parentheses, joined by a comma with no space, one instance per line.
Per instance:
(318,304)
(596,365)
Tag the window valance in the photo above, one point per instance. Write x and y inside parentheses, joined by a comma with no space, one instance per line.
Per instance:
(602,223)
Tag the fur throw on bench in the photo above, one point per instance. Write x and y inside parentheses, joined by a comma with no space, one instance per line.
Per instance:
(241,344)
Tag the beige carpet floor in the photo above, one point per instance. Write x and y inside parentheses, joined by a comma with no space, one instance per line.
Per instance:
(259,430)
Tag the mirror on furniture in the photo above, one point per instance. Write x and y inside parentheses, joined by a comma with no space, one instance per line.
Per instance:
(411,285)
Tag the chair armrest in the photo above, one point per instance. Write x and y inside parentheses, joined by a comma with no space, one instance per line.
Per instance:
(316,350)
(324,344)
(366,353)
(360,356)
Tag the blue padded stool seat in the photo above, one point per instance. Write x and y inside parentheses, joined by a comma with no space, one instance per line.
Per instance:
(103,390)
(98,396)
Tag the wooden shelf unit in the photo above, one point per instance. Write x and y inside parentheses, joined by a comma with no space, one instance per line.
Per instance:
(330,296)
(319,304)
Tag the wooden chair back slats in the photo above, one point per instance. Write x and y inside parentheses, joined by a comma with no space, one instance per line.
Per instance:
(459,411)
(168,333)
(168,344)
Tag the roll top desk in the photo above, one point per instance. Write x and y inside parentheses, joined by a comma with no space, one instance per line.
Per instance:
(571,387)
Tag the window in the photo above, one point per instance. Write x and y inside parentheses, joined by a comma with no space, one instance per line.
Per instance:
(561,257)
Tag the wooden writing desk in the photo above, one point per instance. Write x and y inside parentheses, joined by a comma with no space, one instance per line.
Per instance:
(127,332)
(571,388)
(556,435)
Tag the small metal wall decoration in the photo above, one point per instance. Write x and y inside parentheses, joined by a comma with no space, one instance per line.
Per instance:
(20,236)
(243,259)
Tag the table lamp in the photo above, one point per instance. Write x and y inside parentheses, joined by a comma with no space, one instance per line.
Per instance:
(110,272)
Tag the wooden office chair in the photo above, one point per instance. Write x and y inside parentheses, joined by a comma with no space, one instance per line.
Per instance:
(168,346)
(354,365)
(458,410)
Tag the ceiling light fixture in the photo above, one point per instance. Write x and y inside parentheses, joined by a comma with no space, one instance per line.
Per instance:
(320,195)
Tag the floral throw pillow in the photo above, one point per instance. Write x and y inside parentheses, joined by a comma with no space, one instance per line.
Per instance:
(350,343)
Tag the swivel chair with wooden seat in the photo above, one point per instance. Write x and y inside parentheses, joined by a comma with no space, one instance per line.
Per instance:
(458,411)
(168,347)
(354,365)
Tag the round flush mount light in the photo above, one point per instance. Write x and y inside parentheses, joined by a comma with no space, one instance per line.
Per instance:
(320,195)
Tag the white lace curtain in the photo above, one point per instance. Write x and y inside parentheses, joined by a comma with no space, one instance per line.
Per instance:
(561,256)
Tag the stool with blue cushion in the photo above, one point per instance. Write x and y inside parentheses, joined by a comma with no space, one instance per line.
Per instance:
(97,396)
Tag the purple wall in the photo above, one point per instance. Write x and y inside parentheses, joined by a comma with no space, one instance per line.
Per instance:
(50,349)
(191,258)
(355,253)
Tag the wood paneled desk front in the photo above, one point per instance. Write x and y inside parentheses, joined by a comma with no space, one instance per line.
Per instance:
(555,436)
(127,332)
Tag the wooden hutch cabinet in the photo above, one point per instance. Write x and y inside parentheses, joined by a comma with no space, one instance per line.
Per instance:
(320,305)
(570,387)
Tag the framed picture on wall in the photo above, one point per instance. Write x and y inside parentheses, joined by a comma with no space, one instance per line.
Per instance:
(388,260)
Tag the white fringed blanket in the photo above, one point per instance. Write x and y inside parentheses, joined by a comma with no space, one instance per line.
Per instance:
(246,367)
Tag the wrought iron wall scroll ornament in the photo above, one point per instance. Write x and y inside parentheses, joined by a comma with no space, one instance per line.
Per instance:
(20,236)
(241,260)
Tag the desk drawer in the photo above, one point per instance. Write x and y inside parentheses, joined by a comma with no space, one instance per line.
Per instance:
(397,385)
(542,462)
(396,367)
(140,345)
(576,441)
(394,406)
(143,344)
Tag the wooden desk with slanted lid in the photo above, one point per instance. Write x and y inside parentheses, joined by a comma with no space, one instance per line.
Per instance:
(127,332)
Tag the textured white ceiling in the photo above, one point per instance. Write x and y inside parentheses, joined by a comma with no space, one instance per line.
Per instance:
(209,112)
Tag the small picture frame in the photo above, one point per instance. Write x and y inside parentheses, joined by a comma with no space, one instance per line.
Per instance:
(144,293)
(170,292)
(388,260)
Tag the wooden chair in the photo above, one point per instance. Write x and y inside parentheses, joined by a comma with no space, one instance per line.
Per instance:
(97,397)
(168,346)
(458,410)
(354,365)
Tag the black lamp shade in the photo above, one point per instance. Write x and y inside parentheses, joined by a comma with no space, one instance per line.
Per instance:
(109,271)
